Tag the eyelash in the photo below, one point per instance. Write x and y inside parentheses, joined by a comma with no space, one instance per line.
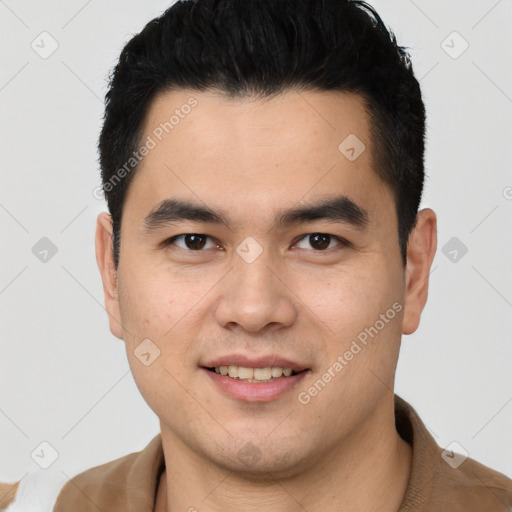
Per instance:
(341,241)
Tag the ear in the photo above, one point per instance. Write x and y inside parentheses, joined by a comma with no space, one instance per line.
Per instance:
(105,260)
(421,249)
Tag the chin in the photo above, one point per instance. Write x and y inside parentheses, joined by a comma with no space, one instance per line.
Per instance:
(261,460)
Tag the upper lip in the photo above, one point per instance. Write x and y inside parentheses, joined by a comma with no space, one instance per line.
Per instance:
(254,362)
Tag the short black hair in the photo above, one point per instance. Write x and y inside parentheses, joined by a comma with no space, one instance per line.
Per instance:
(262,48)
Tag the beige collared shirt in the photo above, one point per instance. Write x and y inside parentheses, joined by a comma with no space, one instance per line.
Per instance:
(129,484)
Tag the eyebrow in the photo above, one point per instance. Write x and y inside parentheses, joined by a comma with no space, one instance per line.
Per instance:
(338,209)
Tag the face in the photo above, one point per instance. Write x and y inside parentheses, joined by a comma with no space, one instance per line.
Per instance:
(266,277)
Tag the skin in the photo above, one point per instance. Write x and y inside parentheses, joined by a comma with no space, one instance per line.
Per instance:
(252,159)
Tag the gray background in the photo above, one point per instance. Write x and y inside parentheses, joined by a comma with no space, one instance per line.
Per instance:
(64,379)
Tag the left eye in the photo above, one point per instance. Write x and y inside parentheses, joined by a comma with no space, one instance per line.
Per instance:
(321,241)
(192,241)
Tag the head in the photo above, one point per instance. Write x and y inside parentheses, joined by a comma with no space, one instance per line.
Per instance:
(288,137)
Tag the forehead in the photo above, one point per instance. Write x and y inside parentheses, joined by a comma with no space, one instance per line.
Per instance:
(219,123)
(256,154)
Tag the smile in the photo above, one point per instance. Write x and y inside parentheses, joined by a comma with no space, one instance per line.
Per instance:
(253,375)
(254,384)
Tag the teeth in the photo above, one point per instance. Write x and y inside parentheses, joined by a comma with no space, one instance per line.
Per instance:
(253,374)
(245,373)
(263,373)
(277,371)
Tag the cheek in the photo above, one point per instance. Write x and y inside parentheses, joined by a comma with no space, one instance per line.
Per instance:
(151,310)
(149,304)
(365,305)
(356,295)
(166,311)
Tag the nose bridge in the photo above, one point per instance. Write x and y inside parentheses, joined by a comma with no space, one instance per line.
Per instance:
(253,295)
(256,279)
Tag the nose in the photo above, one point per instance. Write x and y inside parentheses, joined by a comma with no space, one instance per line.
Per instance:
(254,295)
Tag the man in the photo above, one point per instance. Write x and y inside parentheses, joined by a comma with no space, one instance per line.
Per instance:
(263,255)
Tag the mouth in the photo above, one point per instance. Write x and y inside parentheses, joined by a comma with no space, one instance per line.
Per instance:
(254,375)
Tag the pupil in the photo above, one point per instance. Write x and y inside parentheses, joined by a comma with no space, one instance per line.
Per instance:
(317,236)
(195,241)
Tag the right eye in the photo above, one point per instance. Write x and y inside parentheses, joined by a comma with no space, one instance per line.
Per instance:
(190,242)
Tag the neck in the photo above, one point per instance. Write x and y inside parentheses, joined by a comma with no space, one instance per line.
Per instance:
(368,471)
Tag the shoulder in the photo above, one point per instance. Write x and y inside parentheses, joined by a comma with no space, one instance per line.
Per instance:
(443,480)
(95,485)
(112,486)
(7,494)
(473,486)
(36,491)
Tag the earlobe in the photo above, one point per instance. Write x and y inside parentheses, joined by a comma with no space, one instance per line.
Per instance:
(105,260)
(421,250)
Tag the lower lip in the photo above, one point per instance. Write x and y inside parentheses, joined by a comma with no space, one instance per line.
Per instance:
(255,391)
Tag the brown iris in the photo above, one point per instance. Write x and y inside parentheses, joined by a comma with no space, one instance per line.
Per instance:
(319,240)
(195,241)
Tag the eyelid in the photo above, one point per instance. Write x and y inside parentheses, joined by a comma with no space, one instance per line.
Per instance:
(171,240)
(341,241)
